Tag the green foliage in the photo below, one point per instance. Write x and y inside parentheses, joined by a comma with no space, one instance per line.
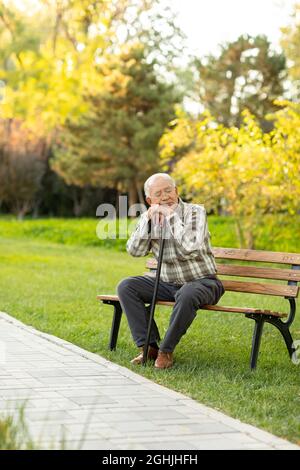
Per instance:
(14,433)
(290,43)
(50,56)
(277,232)
(243,171)
(246,74)
(116,142)
(64,231)
(89,79)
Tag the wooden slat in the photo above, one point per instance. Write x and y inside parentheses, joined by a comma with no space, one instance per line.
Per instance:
(248,271)
(243,310)
(207,307)
(222,308)
(259,272)
(257,255)
(107,297)
(260,288)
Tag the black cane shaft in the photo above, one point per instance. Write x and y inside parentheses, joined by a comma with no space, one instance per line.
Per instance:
(154,298)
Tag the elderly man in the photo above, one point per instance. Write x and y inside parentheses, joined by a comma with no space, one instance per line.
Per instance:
(188,271)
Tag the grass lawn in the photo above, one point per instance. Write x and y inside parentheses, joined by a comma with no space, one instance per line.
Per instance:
(52,286)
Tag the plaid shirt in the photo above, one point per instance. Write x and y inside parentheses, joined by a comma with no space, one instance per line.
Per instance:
(187,251)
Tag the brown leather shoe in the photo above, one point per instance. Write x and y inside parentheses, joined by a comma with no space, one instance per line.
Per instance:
(164,360)
(152,355)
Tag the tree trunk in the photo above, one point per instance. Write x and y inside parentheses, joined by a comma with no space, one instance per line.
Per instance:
(21,209)
(250,240)
(77,194)
(36,207)
(239,232)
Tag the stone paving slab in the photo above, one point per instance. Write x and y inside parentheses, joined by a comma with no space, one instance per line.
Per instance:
(74,399)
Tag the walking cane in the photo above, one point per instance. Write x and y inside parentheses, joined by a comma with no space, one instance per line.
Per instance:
(151,317)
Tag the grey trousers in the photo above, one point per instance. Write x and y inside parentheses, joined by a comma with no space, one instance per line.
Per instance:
(136,291)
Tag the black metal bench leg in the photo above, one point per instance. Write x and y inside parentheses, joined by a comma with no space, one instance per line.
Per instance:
(284,330)
(258,329)
(115,326)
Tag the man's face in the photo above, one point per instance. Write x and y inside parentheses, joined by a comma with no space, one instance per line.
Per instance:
(162,192)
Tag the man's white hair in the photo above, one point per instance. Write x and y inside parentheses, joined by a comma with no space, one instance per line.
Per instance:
(149,182)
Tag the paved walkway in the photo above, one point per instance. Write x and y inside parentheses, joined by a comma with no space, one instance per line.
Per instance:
(71,393)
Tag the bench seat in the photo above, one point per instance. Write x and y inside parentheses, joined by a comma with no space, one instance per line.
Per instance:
(265,287)
(219,308)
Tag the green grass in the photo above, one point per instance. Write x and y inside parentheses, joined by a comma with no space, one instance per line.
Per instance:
(52,286)
(279,232)
(14,434)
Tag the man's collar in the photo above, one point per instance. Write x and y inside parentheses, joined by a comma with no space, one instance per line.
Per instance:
(179,207)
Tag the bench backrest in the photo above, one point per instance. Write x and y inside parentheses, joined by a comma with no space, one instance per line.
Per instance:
(291,275)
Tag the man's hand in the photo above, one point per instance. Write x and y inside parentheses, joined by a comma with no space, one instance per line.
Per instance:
(158,212)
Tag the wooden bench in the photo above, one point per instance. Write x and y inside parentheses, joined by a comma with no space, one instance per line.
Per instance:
(287,291)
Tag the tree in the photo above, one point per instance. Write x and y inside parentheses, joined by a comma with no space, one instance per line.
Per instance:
(116,144)
(286,145)
(290,43)
(48,59)
(51,65)
(21,166)
(246,74)
(247,172)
